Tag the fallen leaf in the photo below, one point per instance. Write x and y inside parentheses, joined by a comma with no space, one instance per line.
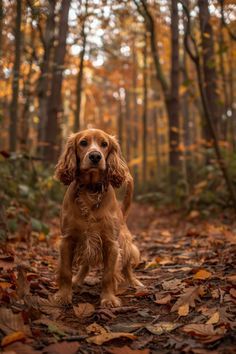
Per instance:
(162,327)
(188,298)
(202,330)
(232,278)
(214,318)
(183,310)
(13,337)
(126,327)
(62,348)
(127,350)
(164,300)
(84,309)
(10,322)
(233,292)
(106,337)
(5,285)
(95,328)
(172,284)
(202,274)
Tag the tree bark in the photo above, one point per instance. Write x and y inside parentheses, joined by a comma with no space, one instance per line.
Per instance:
(43,82)
(128,127)
(79,86)
(27,93)
(173,102)
(209,65)
(135,117)
(54,103)
(15,81)
(144,115)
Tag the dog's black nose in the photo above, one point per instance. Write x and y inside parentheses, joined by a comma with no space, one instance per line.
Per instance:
(95,157)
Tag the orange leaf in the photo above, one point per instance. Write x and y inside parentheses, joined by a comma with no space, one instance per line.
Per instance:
(202,274)
(13,337)
(84,310)
(106,337)
(183,310)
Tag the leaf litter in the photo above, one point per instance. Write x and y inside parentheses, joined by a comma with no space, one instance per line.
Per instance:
(187,305)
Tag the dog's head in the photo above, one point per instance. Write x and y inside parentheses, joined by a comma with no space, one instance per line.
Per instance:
(92,155)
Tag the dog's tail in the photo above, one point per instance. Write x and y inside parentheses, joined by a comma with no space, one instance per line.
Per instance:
(129,189)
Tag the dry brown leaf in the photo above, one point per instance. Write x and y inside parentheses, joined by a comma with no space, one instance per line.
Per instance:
(84,309)
(172,284)
(127,350)
(202,329)
(62,348)
(188,298)
(214,318)
(10,322)
(232,278)
(106,337)
(164,300)
(183,310)
(95,328)
(202,274)
(233,292)
(13,337)
(162,327)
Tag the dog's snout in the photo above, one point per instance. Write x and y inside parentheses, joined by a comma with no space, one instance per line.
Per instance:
(95,157)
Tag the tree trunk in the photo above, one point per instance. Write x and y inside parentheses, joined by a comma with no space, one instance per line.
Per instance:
(1,26)
(15,81)
(79,86)
(120,125)
(54,103)
(27,93)
(135,118)
(128,127)
(43,82)
(144,115)
(173,101)
(209,65)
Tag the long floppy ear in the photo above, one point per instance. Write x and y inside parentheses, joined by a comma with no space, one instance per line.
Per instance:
(118,174)
(117,169)
(66,167)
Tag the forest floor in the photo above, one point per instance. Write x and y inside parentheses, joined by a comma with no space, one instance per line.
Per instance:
(187,305)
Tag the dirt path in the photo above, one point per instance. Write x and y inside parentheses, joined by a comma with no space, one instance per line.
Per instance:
(187,305)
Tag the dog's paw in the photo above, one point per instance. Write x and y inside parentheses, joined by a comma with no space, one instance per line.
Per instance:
(63,297)
(110,301)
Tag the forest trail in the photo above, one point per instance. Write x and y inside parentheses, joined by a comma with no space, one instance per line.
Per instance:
(187,304)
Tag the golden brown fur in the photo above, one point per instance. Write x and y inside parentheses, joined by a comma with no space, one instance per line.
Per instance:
(93,224)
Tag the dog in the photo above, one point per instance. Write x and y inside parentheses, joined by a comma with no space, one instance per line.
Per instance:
(93,224)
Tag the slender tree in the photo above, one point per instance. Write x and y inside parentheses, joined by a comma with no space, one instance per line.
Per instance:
(209,65)
(144,115)
(54,103)
(16,77)
(79,85)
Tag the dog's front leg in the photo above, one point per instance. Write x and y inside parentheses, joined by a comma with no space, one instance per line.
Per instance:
(111,255)
(64,294)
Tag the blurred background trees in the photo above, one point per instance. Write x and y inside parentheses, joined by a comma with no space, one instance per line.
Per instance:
(132,68)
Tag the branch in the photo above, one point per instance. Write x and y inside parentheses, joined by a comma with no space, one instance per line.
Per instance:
(189,36)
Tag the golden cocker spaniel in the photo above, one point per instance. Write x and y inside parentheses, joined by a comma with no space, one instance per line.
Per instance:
(93,224)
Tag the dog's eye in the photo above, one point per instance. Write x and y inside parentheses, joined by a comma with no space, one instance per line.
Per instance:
(83,143)
(104,144)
